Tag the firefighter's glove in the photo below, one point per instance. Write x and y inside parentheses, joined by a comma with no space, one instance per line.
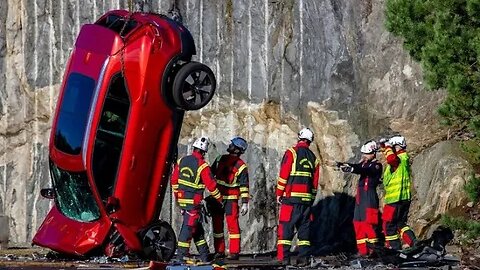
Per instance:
(346,168)
(244,209)
(279,199)
(339,164)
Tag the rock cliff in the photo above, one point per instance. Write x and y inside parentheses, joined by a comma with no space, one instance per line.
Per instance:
(280,65)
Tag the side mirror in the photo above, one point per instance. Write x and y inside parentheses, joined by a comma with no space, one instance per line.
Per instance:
(47,193)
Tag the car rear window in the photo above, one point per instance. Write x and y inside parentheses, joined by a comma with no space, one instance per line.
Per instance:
(117,23)
(73,113)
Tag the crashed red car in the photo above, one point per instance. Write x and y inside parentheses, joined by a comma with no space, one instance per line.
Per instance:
(126,87)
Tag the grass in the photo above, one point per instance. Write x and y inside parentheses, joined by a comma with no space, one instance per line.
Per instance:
(470,228)
(472,188)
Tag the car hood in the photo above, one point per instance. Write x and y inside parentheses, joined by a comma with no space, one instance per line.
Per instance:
(65,235)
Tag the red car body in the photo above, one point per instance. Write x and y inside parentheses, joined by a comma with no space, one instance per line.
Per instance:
(114,133)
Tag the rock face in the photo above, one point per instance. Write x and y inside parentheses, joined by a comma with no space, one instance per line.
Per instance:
(280,65)
(440,174)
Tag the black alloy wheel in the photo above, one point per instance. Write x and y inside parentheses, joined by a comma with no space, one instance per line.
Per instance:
(159,242)
(194,86)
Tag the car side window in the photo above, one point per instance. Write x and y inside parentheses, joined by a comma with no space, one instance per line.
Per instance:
(73,113)
(110,136)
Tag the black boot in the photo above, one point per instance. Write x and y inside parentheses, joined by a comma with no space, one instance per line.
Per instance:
(302,261)
(233,256)
(219,255)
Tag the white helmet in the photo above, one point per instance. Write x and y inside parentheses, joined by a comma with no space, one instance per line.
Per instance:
(369,147)
(306,134)
(398,140)
(201,143)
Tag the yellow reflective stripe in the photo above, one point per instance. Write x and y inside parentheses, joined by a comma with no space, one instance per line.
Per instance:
(294,163)
(317,161)
(215,192)
(217,195)
(182,204)
(188,170)
(304,243)
(281,187)
(240,170)
(201,242)
(243,189)
(392,237)
(362,241)
(404,229)
(234,236)
(372,240)
(190,184)
(225,184)
(306,174)
(305,160)
(218,235)
(301,195)
(199,171)
(175,186)
(230,197)
(284,242)
(185,201)
(281,180)
(183,244)
(244,195)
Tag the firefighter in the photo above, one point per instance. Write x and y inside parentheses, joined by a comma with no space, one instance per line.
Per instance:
(231,174)
(190,177)
(366,217)
(397,183)
(296,191)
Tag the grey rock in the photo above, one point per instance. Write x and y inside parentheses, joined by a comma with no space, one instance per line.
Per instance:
(280,65)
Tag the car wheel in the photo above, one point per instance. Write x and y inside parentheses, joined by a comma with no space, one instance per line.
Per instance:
(159,242)
(193,86)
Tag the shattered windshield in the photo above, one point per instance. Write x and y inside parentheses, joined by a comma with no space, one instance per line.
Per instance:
(73,195)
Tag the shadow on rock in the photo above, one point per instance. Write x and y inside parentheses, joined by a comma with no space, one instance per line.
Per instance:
(332,228)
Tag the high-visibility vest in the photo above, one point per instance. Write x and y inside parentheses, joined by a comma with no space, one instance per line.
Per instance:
(190,188)
(397,183)
(299,187)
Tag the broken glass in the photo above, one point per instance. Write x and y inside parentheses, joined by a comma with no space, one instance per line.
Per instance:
(73,195)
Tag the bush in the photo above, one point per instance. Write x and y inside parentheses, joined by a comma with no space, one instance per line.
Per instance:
(471,228)
(472,188)
(444,36)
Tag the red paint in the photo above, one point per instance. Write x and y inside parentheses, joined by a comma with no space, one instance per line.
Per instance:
(151,130)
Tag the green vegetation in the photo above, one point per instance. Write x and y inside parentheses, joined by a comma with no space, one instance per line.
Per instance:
(471,228)
(444,36)
(472,188)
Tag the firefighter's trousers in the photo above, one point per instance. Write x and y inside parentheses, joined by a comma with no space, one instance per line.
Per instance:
(366,236)
(293,216)
(230,213)
(395,226)
(192,228)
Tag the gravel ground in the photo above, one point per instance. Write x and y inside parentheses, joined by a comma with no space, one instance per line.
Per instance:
(38,258)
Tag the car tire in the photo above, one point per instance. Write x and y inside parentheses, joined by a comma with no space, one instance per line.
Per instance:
(194,86)
(159,241)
